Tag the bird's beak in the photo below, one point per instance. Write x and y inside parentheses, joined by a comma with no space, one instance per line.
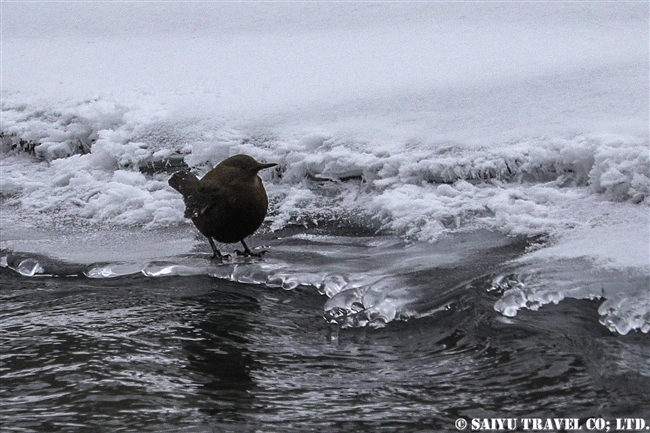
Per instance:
(269,165)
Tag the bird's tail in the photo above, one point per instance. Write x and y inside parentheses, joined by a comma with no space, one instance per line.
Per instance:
(183,182)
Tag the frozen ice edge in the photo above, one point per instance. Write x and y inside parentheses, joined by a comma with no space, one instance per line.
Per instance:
(481,139)
(374,297)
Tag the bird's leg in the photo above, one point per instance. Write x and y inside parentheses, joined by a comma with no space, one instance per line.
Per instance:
(215,251)
(247,251)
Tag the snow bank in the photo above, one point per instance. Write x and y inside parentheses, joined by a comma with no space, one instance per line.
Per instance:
(418,119)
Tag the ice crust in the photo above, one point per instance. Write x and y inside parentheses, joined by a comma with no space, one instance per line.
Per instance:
(417,120)
(530,186)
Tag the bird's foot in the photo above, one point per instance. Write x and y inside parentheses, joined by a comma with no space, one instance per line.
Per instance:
(216,254)
(249,253)
(222,257)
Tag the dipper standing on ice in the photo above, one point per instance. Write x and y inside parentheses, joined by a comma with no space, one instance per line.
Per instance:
(228,204)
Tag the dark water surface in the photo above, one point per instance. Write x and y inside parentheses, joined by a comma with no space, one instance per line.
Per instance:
(197,353)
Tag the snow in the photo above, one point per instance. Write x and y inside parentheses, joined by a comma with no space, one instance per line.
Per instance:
(421,119)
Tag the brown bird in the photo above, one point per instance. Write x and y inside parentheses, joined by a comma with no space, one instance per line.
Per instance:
(227,204)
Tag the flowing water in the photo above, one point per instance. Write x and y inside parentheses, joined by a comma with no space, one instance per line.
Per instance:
(402,337)
(458,224)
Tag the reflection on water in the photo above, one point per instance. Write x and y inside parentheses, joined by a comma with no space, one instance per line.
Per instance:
(219,357)
(201,354)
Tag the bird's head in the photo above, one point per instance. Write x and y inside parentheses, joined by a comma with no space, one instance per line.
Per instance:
(246,163)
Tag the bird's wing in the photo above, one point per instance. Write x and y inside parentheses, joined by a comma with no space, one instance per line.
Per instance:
(203,199)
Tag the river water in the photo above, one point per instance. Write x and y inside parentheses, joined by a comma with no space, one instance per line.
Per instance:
(458,224)
(180,345)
